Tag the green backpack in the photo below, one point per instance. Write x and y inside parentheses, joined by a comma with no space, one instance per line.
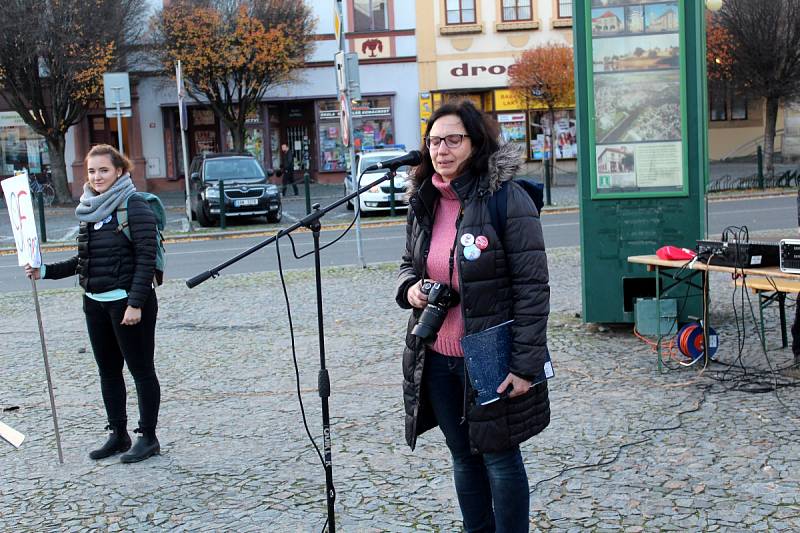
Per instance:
(161,221)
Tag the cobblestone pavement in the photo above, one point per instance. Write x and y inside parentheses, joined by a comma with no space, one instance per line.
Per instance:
(672,451)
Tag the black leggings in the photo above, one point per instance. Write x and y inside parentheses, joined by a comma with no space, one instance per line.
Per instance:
(114,345)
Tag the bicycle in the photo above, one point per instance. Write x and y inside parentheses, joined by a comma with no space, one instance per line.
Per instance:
(45,189)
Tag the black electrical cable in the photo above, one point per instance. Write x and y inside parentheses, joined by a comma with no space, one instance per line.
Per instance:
(334,241)
(627,445)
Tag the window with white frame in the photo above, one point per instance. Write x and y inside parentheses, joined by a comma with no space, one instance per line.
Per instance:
(564,9)
(370,15)
(460,11)
(516,10)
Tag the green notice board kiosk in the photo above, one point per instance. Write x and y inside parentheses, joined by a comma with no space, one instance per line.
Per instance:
(642,138)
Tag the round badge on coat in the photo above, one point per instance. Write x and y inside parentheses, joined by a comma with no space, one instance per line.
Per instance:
(468,239)
(471,252)
(482,242)
(98,225)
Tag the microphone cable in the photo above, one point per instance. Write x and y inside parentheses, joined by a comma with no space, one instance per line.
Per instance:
(297,368)
(334,241)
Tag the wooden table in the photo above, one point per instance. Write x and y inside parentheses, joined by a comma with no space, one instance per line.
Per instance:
(769,283)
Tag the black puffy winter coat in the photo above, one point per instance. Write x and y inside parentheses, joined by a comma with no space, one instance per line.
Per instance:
(508,280)
(108,260)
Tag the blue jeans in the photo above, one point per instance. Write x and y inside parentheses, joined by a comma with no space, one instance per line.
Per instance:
(492,488)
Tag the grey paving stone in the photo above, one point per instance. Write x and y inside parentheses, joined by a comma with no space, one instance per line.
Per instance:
(236,457)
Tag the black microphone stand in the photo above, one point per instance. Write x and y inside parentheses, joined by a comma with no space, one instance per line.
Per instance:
(312,222)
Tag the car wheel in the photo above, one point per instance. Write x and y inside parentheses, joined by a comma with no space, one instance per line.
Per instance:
(276,216)
(203,218)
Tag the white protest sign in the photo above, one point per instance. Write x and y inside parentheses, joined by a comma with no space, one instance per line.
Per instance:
(10,434)
(20,208)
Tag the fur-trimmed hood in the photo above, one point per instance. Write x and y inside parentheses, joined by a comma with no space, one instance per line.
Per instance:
(503,166)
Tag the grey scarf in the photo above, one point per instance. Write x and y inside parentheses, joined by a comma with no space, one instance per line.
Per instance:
(95,207)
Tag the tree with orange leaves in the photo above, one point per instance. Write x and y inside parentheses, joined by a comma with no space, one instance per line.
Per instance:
(719,50)
(52,59)
(545,74)
(233,51)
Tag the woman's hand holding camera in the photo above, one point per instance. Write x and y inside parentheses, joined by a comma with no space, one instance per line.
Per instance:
(32,273)
(416,297)
(519,386)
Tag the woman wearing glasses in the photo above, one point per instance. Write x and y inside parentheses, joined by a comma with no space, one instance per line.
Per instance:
(451,240)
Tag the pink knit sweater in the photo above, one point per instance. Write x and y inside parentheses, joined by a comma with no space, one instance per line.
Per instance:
(442,241)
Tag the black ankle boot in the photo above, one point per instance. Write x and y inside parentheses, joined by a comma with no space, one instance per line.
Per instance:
(146,446)
(118,441)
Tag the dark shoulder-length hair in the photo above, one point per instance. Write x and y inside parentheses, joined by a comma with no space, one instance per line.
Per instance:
(483,133)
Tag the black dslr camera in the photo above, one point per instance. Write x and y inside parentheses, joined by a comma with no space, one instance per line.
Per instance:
(440,299)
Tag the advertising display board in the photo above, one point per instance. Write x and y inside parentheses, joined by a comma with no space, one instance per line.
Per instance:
(638,83)
(642,145)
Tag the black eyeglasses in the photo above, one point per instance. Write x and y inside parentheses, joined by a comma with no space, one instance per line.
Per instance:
(453,140)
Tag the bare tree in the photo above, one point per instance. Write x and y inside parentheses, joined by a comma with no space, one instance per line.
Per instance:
(233,51)
(53,54)
(765,62)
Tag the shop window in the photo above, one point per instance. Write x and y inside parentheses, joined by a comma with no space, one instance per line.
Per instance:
(512,127)
(370,15)
(275,136)
(564,9)
(20,147)
(460,11)
(253,142)
(373,126)
(565,136)
(514,10)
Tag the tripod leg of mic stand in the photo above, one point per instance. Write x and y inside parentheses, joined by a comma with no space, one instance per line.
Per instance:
(324,388)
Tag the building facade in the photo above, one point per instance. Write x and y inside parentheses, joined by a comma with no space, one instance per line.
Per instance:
(304,114)
(466,49)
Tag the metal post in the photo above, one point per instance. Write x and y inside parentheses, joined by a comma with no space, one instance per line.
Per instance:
(221,204)
(548,200)
(186,178)
(760,162)
(391,195)
(353,170)
(47,372)
(119,118)
(307,188)
(42,224)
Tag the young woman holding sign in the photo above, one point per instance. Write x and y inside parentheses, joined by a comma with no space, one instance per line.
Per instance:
(119,302)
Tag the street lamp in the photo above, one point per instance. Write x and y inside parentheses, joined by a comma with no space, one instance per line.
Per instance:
(714,5)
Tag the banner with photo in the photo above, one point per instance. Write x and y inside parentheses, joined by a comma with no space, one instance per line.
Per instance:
(637,81)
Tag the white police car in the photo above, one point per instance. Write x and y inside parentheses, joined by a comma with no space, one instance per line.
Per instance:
(377,198)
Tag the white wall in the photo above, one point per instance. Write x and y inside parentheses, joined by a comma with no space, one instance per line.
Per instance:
(151,91)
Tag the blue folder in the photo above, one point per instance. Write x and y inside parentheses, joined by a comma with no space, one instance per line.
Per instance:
(486,355)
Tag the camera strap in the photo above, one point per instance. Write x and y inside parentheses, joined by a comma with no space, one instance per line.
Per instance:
(452,260)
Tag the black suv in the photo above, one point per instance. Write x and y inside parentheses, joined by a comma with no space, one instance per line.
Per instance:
(247,192)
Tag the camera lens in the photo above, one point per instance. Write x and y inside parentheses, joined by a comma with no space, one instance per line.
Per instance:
(440,299)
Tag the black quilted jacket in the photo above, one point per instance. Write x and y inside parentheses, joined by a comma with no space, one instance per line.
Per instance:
(108,260)
(509,280)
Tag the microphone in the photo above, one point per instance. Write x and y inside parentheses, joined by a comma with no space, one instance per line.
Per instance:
(413,158)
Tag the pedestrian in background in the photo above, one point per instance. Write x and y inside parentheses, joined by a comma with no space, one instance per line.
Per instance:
(450,239)
(119,301)
(287,168)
